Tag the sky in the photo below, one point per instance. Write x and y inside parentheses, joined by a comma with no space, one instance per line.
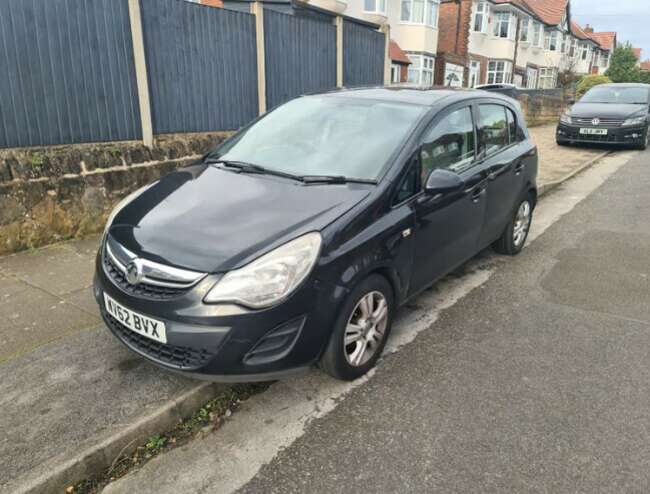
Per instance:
(629,18)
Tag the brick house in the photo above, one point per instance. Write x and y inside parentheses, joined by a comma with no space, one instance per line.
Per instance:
(399,63)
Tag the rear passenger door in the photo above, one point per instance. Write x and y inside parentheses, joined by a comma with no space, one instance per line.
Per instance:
(499,139)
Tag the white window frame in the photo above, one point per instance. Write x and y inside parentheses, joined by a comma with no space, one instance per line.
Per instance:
(547,78)
(474,73)
(551,40)
(395,73)
(379,6)
(562,38)
(524,35)
(481,9)
(499,72)
(430,12)
(532,76)
(538,34)
(498,20)
(420,71)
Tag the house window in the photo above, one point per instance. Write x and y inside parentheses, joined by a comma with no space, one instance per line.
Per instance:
(420,12)
(605,59)
(537,34)
(551,40)
(531,78)
(572,50)
(525,27)
(474,73)
(481,17)
(547,78)
(499,72)
(501,25)
(395,73)
(374,6)
(421,70)
(563,41)
(585,52)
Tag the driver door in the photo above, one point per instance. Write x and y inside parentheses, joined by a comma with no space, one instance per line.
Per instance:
(448,226)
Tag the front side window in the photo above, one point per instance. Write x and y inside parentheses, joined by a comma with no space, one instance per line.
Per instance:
(449,145)
(525,25)
(514,135)
(493,129)
(501,27)
(420,12)
(325,135)
(481,14)
(499,72)
(375,6)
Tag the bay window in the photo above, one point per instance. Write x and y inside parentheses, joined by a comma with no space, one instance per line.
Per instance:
(421,70)
(374,6)
(420,12)
(501,25)
(547,78)
(499,72)
(481,17)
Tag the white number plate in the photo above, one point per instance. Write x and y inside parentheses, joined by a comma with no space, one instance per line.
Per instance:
(596,132)
(146,326)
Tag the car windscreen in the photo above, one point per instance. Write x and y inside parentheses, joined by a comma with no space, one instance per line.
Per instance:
(620,95)
(325,135)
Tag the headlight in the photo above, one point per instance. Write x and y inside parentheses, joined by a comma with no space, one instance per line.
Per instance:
(565,118)
(635,121)
(123,203)
(270,278)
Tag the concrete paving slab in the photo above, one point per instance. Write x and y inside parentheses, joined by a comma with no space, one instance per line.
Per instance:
(81,391)
(84,300)
(56,269)
(30,317)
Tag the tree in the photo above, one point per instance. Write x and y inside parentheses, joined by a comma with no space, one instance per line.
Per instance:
(590,81)
(622,67)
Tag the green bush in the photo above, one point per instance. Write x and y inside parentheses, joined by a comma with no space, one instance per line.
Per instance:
(590,81)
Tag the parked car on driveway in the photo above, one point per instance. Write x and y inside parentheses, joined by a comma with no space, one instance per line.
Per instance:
(294,242)
(608,114)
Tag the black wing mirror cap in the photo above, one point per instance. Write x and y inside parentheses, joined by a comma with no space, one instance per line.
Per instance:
(443,182)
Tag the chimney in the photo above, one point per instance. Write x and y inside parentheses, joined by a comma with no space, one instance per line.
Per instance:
(589,29)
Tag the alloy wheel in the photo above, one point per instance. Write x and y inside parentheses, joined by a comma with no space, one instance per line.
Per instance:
(522,224)
(366,328)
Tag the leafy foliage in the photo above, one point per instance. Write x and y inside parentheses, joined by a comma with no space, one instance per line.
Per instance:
(589,81)
(623,66)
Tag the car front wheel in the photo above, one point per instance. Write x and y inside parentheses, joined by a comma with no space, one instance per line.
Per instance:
(514,237)
(361,330)
(644,145)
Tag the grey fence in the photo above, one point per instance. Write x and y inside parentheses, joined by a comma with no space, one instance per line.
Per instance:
(201,64)
(300,56)
(363,55)
(67,72)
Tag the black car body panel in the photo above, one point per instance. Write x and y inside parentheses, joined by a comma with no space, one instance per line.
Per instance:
(213,220)
(609,117)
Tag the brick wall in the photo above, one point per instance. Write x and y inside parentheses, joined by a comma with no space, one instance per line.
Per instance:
(453,35)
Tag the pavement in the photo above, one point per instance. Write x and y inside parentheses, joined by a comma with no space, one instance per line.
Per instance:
(526,374)
(72,396)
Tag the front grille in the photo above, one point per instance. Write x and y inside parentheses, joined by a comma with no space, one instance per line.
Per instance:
(144,290)
(604,122)
(175,356)
(609,138)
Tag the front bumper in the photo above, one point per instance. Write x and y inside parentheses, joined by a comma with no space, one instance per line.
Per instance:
(227,343)
(630,136)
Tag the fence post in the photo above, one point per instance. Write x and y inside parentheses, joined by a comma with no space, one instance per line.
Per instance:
(257,9)
(385,28)
(135,18)
(338,22)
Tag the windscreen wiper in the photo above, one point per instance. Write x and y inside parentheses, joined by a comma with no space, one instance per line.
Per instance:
(335,179)
(244,167)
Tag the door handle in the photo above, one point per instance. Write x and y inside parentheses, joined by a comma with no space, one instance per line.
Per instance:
(519,167)
(477,192)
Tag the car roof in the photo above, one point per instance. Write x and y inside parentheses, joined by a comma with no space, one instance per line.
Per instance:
(413,94)
(627,84)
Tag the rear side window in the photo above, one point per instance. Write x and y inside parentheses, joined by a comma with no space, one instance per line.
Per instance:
(512,126)
(493,129)
(449,144)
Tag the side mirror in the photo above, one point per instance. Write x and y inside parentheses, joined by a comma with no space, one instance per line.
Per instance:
(443,182)
(572,102)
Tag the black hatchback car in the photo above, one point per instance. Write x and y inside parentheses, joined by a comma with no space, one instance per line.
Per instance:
(609,114)
(294,242)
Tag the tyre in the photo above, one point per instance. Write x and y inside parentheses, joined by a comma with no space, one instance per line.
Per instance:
(361,330)
(644,145)
(514,236)
(561,142)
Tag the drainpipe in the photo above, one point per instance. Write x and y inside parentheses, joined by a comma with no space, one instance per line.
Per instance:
(514,59)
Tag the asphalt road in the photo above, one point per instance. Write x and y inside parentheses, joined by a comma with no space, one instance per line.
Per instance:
(539,381)
(518,375)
